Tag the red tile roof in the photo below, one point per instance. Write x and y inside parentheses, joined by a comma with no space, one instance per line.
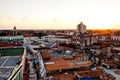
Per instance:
(88,73)
(62,76)
(66,64)
(112,63)
(45,55)
(10,44)
(117,72)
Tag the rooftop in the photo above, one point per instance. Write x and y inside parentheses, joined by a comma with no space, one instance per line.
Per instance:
(62,55)
(67,46)
(10,44)
(88,73)
(61,64)
(45,55)
(64,62)
(112,63)
(7,64)
(61,76)
(117,72)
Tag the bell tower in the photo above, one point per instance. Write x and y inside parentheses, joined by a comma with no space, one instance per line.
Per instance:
(14,31)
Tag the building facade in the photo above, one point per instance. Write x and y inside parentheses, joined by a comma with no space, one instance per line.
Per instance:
(81,28)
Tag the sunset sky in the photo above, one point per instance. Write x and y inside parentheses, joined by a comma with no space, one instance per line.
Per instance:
(59,14)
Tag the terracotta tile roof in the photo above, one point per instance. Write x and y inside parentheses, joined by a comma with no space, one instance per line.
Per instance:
(45,55)
(88,73)
(66,64)
(117,72)
(112,63)
(62,76)
(10,44)
(81,55)
(94,74)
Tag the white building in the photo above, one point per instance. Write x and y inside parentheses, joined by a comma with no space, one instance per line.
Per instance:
(11,38)
(115,38)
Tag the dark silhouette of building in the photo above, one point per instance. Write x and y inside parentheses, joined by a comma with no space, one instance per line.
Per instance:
(14,31)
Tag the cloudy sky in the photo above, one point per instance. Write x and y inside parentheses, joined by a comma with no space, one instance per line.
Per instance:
(59,14)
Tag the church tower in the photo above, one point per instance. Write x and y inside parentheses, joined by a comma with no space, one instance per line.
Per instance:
(14,31)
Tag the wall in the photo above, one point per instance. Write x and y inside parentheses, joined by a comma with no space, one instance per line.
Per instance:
(11,51)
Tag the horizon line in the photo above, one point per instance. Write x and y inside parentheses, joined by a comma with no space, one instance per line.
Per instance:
(58,29)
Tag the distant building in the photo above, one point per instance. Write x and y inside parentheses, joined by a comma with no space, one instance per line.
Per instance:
(81,39)
(12,38)
(115,38)
(14,31)
(115,41)
(81,28)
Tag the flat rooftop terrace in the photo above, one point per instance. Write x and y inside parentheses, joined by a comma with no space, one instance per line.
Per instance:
(7,64)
